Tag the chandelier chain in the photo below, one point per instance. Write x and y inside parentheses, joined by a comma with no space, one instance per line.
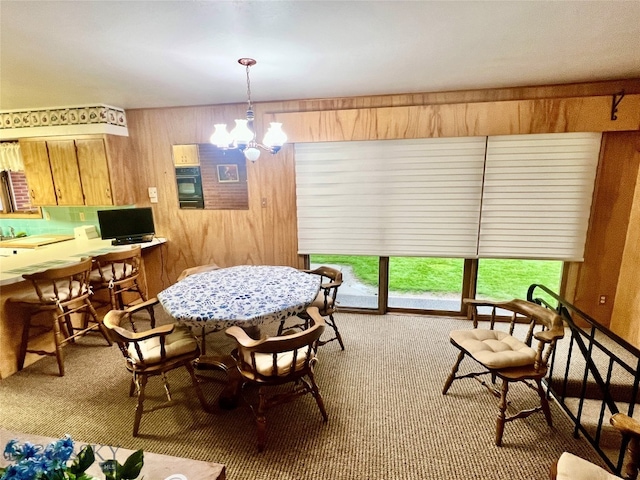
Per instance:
(248,87)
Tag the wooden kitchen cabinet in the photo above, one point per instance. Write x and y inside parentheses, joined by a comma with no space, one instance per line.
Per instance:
(94,171)
(186,155)
(65,172)
(37,171)
(78,171)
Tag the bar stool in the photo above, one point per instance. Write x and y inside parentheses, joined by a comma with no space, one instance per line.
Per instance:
(59,292)
(118,272)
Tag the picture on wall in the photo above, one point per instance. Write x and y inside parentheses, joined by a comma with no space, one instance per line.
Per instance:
(228,173)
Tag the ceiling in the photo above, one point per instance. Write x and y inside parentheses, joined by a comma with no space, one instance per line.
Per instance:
(139,54)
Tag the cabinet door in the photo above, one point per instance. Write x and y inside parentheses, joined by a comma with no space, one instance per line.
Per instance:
(185,155)
(66,175)
(38,172)
(94,171)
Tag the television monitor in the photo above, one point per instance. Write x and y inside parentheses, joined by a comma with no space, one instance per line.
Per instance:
(126,225)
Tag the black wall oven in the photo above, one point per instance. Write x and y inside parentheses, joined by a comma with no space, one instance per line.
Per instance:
(189,187)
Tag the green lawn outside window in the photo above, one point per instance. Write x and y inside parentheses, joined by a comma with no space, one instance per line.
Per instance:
(497,279)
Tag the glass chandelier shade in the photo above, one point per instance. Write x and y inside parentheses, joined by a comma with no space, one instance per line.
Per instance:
(242,136)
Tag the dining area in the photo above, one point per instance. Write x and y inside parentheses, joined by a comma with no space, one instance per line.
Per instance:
(251,304)
(371,400)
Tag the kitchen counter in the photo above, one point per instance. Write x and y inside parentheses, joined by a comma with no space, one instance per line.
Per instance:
(34,241)
(58,254)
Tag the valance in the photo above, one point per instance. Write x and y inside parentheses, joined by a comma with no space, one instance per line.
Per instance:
(10,157)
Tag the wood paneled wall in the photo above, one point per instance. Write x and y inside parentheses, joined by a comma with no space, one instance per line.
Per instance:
(625,320)
(267,234)
(259,235)
(582,114)
(611,208)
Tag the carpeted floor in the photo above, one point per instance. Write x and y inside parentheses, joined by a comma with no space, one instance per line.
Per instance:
(387,416)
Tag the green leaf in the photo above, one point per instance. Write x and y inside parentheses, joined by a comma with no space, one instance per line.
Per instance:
(83,461)
(132,466)
(111,469)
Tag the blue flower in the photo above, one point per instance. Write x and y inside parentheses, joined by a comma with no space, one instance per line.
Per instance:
(11,450)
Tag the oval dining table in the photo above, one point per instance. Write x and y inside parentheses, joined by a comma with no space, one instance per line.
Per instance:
(246,296)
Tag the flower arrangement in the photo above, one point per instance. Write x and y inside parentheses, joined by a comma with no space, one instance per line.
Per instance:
(35,462)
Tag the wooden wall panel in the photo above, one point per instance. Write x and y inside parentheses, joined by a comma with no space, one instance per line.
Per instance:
(612,203)
(626,310)
(606,88)
(584,114)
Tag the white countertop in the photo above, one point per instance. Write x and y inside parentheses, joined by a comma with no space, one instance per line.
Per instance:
(58,254)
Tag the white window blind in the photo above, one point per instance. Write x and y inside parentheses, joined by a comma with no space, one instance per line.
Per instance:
(390,197)
(537,195)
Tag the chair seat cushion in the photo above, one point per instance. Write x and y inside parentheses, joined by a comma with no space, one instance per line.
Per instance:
(319,302)
(179,342)
(571,467)
(48,293)
(494,349)
(106,273)
(264,362)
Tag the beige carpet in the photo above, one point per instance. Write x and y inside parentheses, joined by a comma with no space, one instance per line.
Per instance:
(387,416)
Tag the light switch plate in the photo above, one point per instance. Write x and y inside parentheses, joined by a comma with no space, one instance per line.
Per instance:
(153,194)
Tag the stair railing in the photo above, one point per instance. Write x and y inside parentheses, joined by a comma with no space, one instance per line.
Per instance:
(605,368)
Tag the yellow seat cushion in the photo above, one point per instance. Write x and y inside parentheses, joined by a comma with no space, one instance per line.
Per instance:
(264,362)
(122,271)
(178,342)
(48,293)
(571,467)
(494,349)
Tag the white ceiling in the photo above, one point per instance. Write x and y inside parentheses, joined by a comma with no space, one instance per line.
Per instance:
(136,54)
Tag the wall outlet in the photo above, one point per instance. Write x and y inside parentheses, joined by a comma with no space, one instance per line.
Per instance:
(81,215)
(153,194)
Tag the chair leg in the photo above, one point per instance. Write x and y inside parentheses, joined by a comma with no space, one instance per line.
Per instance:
(315,391)
(141,382)
(452,375)
(196,385)
(544,403)
(502,406)
(335,329)
(26,327)
(165,382)
(58,340)
(132,385)
(101,327)
(261,419)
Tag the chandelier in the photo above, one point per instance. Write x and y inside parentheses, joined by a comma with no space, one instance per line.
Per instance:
(243,136)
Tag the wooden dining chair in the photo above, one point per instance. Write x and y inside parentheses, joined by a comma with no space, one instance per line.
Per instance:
(150,350)
(507,355)
(572,467)
(325,301)
(275,361)
(57,294)
(118,273)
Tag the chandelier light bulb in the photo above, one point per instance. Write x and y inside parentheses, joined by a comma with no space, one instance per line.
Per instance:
(275,137)
(241,133)
(221,138)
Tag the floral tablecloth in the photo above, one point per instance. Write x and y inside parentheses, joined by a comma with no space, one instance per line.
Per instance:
(245,295)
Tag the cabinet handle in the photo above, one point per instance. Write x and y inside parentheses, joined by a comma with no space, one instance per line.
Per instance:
(33,194)
(108,192)
(59,193)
